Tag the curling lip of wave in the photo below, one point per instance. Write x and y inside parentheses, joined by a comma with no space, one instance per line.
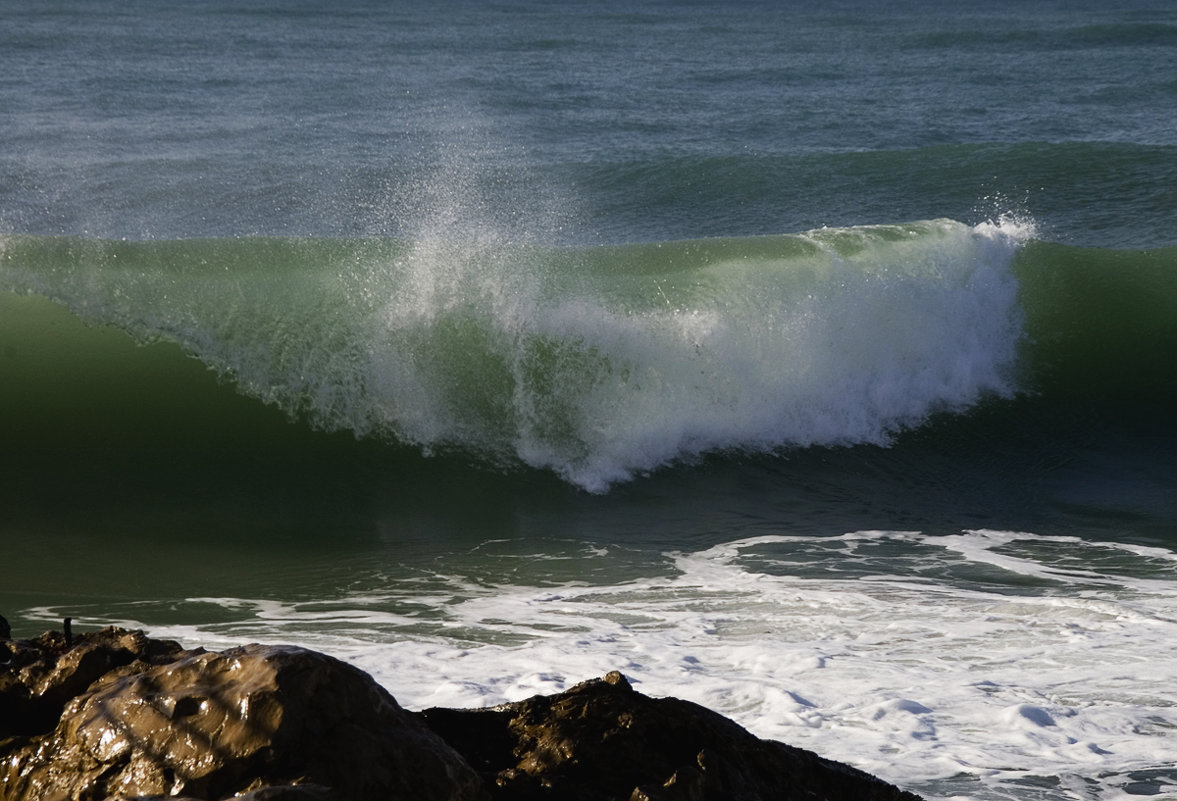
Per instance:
(596,363)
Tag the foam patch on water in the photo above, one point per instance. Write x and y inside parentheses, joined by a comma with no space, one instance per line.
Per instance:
(982,665)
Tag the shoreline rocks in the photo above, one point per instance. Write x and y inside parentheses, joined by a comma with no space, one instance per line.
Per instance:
(604,740)
(115,714)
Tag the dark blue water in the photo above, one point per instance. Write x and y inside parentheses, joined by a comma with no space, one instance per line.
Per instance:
(592,122)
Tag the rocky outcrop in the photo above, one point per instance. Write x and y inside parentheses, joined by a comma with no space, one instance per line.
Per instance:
(212,725)
(115,715)
(38,677)
(603,740)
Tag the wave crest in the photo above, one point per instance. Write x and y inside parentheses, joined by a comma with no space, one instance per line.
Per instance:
(596,363)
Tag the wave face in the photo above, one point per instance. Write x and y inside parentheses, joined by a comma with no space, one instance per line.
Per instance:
(596,363)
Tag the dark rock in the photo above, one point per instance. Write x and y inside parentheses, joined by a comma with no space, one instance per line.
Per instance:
(283,792)
(121,717)
(212,725)
(603,741)
(38,676)
(5,629)
(290,792)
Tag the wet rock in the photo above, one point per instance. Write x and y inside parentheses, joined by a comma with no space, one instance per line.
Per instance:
(284,792)
(289,792)
(38,676)
(250,719)
(602,740)
(115,715)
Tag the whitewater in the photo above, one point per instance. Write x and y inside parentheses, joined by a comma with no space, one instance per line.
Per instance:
(983,665)
(598,364)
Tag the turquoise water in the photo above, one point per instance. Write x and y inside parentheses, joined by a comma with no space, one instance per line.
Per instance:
(812,364)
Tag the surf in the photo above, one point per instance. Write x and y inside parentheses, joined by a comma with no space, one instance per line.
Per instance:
(599,364)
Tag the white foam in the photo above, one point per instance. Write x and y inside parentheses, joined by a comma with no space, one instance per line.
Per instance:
(599,363)
(879,654)
(599,369)
(883,338)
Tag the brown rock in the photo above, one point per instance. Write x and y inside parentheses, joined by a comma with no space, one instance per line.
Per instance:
(283,792)
(603,741)
(213,725)
(115,715)
(38,676)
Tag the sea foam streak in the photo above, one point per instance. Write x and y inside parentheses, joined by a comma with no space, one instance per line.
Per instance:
(596,363)
(960,665)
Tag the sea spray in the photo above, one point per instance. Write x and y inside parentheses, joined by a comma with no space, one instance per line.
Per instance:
(595,363)
(602,363)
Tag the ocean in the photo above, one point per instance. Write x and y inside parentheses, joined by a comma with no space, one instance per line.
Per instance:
(813,362)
